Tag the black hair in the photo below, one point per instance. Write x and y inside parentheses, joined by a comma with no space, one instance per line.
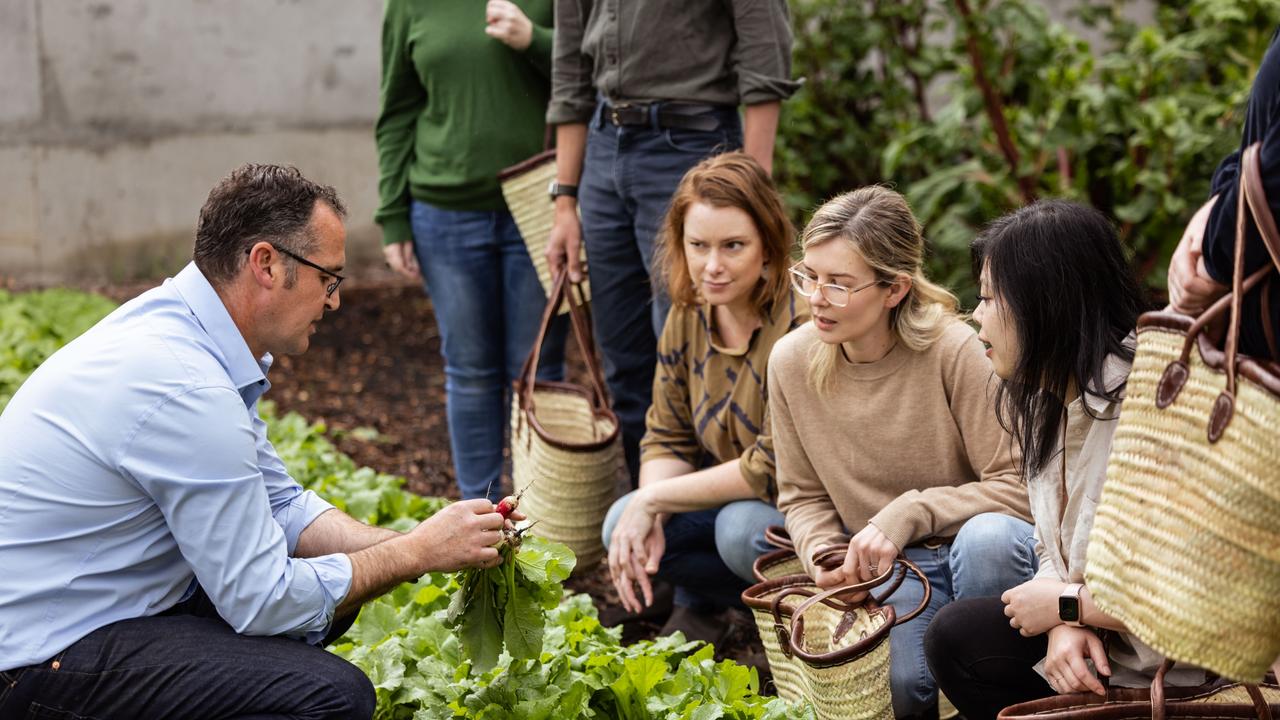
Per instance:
(1061,275)
(256,203)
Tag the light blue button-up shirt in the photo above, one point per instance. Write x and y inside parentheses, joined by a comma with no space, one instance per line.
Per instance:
(133,465)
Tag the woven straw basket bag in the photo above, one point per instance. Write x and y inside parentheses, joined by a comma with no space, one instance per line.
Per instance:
(524,187)
(1185,548)
(565,452)
(827,651)
(1216,699)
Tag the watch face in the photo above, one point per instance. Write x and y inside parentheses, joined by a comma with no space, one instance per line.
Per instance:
(1069,609)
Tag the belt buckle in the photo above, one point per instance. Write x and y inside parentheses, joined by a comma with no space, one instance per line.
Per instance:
(613,113)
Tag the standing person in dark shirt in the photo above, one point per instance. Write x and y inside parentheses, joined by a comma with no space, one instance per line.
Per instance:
(641,92)
(1200,271)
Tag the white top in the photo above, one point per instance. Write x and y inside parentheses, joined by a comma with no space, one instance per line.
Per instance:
(1062,534)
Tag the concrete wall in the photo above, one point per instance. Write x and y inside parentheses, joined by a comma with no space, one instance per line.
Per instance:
(117,116)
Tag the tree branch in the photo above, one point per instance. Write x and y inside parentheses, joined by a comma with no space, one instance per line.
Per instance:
(994,106)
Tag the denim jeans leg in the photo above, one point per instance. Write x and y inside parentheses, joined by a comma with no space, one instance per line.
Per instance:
(191,667)
(740,530)
(652,162)
(910,681)
(620,291)
(992,553)
(461,265)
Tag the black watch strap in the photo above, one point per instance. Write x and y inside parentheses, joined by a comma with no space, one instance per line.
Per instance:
(557,189)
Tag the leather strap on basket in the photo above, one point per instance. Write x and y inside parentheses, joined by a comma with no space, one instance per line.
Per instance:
(564,291)
(870,642)
(1160,703)
(779,537)
(1251,195)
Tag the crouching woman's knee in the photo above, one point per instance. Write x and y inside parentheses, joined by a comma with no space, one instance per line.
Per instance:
(992,553)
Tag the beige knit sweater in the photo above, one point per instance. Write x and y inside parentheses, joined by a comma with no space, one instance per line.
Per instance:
(909,443)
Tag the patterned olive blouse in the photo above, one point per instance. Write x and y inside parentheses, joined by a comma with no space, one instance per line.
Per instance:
(709,400)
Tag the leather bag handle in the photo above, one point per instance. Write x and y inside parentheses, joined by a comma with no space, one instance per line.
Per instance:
(872,640)
(1160,706)
(778,536)
(564,291)
(1252,195)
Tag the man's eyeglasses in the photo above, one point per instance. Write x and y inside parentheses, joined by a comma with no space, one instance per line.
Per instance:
(329,289)
(837,295)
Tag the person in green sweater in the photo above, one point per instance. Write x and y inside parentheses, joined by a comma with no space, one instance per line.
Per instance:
(464,90)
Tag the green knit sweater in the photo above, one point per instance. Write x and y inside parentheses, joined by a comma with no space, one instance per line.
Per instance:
(457,106)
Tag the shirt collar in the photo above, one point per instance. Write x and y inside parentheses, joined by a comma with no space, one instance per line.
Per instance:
(243,369)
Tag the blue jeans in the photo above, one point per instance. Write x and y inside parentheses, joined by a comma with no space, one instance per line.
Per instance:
(187,662)
(628,177)
(488,305)
(709,552)
(990,554)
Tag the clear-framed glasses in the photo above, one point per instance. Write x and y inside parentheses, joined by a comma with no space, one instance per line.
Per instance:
(329,289)
(837,295)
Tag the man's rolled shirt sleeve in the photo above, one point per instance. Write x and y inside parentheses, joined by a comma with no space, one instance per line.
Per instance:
(572,94)
(761,58)
(205,479)
(292,507)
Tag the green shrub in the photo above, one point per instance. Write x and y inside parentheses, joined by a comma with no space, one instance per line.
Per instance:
(1133,125)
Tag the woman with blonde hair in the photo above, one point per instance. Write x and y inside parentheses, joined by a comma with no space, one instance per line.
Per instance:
(707,473)
(884,429)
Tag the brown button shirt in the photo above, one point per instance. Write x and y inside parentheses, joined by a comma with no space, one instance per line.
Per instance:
(721,52)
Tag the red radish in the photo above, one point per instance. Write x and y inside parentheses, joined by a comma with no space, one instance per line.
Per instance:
(508,505)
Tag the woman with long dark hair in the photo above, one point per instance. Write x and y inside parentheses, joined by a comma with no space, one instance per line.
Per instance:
(1058,307)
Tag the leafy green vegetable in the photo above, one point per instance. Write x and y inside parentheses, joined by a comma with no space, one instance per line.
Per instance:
(34,325)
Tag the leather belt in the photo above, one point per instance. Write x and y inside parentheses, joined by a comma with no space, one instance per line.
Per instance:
(670,115)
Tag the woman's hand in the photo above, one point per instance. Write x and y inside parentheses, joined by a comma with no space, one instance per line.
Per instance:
(1064,665)
(871,555)
(635,550)
(401,258)
(1032,607)
(507,23)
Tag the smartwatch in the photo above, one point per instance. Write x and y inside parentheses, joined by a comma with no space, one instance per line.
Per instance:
(557,189)
(1069,605)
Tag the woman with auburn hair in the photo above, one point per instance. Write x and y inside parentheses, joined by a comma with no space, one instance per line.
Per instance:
(707,488)
(1058,308)
(883,428)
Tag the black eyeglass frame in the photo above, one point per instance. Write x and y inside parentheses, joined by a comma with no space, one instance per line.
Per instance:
(329,289)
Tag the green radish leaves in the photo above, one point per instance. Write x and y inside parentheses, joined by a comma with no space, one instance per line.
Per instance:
(502,607)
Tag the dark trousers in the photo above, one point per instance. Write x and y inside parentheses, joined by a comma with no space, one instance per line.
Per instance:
(187,663)
(981,663)
(628,176)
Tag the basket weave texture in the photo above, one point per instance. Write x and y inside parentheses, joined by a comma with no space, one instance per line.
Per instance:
(1185,548)
(534,213)
(857,690)
(821,649)
(786,670)
(567,492)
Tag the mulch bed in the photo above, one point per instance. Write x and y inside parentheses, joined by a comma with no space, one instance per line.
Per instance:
(375,363)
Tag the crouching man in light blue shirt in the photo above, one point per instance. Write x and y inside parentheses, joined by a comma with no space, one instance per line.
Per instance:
(156,559)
